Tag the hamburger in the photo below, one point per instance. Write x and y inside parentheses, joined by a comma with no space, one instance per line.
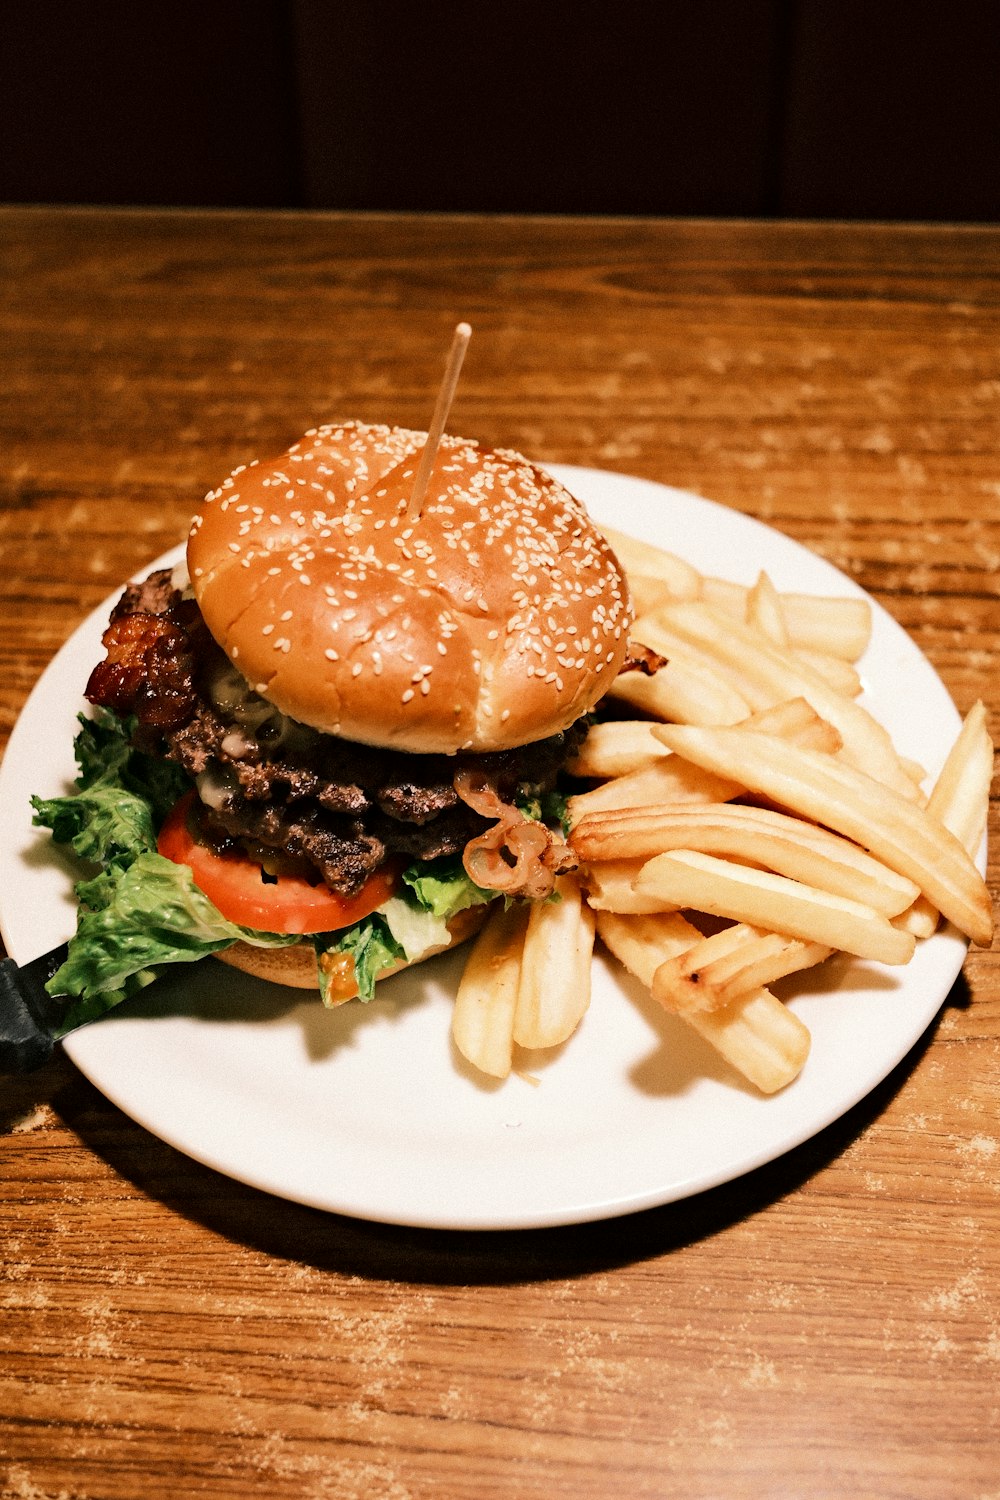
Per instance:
(325,746)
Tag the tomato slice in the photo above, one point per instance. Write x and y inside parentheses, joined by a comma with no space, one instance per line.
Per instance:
(236,886)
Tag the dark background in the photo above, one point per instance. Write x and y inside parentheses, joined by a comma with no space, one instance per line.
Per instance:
(804,108)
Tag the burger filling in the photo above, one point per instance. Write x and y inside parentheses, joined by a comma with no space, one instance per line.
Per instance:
(212,818)
(270,785)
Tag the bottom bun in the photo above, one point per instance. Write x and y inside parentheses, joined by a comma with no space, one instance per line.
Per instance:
(296,965)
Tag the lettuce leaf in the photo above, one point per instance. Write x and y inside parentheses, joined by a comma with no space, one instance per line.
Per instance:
(370,945)
(104,824)
(138,911)
(416,929)
(121,799)
(105,754)
(442,887)
(153,915)
(547,807)
(407,926)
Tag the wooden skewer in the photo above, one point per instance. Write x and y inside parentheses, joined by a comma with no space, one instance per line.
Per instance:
(459,344)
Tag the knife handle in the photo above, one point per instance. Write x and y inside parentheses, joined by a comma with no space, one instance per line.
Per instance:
(26,1012)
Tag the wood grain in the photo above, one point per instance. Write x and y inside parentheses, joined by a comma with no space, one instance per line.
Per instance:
(828,1326)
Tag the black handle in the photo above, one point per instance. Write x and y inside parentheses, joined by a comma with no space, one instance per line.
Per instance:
(28,1013)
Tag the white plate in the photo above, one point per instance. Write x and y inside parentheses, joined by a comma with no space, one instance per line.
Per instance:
(367,1110)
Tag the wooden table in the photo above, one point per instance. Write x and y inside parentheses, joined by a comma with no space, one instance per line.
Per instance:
(828,1326)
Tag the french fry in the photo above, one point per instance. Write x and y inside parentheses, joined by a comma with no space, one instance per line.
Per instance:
(767,967)
(756,835)
(761,1038)
(482,1023)
(684,691)
(758,1036)
(839,675)
(731,963)
(704,883)
(691,963)
(894,829)
(617,748)
(553,990)
(765,669)
(641,943)
(610,886)
(647,592)
(839,626)
(916,772)
(765,613)
(960,799)
(642,559)
(798,722)
(670,780)
(655,631)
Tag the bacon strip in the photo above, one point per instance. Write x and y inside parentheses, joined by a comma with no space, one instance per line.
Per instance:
(147,670)
(642,659)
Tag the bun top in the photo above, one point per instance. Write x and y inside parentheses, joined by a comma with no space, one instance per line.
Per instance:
(496,617)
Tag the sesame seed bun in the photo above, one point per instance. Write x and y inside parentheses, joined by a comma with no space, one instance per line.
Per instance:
(496,617)
(296,966)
